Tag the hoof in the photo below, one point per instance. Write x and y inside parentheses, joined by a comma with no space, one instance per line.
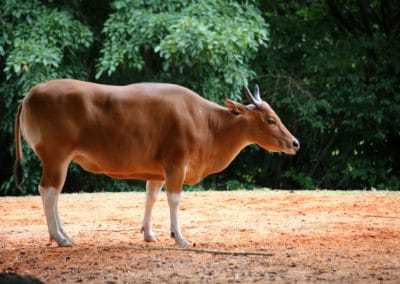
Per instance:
(150,238)
(66,243)
(179,240)
(182,242)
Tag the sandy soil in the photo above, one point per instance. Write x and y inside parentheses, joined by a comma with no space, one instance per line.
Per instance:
(237,237)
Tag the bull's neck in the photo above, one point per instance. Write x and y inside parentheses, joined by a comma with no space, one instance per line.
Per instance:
(230,135)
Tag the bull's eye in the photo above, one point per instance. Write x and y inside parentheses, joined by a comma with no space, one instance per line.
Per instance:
(271,121)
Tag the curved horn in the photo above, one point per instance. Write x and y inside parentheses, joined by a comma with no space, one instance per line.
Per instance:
(257,93)
(256,100)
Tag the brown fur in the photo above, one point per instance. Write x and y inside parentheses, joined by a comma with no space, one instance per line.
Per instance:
(162,133)
(142,131)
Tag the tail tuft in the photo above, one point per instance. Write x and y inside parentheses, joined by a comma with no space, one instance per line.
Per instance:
(18,174)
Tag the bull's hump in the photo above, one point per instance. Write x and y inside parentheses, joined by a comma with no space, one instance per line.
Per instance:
(160,90)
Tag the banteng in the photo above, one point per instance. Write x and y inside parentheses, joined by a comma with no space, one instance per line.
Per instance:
(163,133)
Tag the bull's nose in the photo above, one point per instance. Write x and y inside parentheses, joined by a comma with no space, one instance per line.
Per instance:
(296,145)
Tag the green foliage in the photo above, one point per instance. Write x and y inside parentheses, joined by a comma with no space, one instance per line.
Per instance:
(206,45)
(233,184)
(39,40)
(331,70)
(37,43)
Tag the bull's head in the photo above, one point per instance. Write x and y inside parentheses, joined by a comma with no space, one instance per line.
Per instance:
(267,131)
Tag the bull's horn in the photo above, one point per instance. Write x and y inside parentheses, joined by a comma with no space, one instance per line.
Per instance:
(256,100)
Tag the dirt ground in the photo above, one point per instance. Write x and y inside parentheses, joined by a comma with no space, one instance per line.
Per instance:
(237,237)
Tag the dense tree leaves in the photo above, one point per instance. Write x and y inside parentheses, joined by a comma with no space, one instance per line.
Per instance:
(335,69)
(207,45)
(37,43)
(331,69)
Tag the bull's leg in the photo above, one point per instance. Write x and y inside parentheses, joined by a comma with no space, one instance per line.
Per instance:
(174,183)
(51,183)
(174,200)
(61,224)
(54,223)
(153,189)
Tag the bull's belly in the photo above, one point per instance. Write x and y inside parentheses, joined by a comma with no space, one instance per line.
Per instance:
(123,168)
(120,169)
(153,171)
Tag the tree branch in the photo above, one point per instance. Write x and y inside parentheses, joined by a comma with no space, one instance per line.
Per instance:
(188,249)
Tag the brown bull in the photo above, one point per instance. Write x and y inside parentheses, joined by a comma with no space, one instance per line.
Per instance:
(162,133)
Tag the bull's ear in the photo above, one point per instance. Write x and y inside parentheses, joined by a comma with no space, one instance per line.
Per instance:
(234,107)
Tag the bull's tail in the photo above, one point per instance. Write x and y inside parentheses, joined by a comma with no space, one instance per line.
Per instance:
(18,169)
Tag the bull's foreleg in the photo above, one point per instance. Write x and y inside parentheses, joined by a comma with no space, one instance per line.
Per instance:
(153,189)
(175,175)
(174,200)
(55,225)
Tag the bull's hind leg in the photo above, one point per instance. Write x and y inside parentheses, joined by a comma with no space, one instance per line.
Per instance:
(54,223)
(153,189)
(53,178)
